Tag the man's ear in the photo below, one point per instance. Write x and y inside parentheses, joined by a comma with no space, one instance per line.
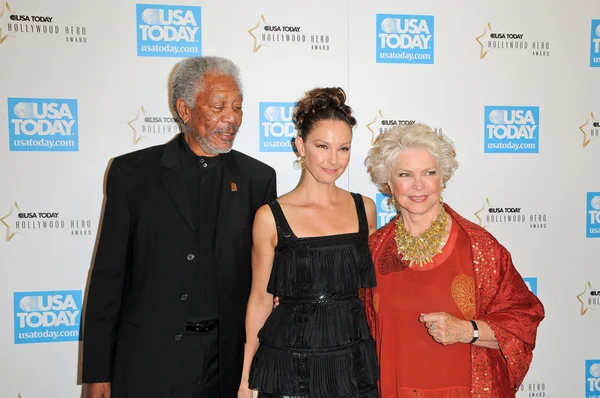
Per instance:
(183,110)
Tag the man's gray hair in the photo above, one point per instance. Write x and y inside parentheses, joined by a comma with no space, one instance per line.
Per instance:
(187,79)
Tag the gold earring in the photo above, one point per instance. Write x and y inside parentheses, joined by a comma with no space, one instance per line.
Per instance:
(299,163)
(394,202)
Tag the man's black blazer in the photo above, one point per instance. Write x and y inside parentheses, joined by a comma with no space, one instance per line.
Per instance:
(145,260)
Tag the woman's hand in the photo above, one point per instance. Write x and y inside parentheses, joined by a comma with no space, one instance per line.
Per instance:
(447,329)
(245,391)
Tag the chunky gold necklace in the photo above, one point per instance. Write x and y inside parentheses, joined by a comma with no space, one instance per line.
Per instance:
(421,249)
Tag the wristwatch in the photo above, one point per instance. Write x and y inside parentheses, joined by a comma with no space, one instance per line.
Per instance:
(475,331)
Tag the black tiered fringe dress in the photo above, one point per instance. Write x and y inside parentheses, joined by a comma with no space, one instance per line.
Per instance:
(317,342)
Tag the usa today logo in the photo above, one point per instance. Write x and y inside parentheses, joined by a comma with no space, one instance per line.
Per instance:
(595,44)
(532,284)
(50,316)
(385,209)
(43,124)
(511,129)
(168,30)
(405,39)
(592,378)
(593,215)
(276,126)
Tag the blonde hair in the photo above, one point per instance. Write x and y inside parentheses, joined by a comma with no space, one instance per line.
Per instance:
(389,145)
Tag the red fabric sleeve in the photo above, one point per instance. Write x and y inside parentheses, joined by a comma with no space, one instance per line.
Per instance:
(514,315)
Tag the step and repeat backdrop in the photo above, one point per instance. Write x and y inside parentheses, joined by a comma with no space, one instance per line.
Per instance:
(514,84)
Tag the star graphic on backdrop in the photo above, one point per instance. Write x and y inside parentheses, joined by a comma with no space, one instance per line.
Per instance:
(259,25)
(484,208)
(483,50)
(584,307)
(586,138)
(141,112)
(9,235)
(377,123)
(3,10)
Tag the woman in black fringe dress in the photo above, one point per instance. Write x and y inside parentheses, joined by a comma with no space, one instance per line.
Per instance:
(310,249)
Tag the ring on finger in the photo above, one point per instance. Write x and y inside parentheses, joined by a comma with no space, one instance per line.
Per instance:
(432,326)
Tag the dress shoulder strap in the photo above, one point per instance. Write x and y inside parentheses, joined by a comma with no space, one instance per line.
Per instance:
(283,228)
(363,224)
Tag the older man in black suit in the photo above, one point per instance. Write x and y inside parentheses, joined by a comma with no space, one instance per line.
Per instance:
(168,291)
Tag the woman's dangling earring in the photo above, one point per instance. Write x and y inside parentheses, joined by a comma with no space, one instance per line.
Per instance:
(394,202)
(299,163)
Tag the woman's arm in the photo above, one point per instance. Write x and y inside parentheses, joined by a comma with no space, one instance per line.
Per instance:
(260,303)
(487,338)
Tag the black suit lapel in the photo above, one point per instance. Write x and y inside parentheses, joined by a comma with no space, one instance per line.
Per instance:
(173,180)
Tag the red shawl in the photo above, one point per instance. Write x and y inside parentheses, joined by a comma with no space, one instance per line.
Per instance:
(503,301)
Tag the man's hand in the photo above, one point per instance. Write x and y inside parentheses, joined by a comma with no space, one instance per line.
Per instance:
(98,390)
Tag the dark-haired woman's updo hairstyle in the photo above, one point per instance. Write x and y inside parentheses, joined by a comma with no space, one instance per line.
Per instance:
(321,104)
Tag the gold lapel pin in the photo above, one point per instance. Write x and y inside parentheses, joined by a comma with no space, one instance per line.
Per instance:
(233,187)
